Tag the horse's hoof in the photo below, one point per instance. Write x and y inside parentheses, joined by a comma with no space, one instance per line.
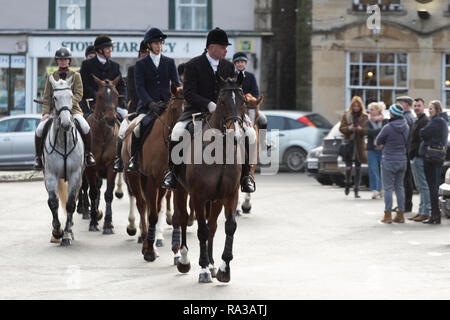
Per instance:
(58,235)
(93,227)
(213,272)
(223,276)
(99,214)
(183,268)
(131,232)
(150,257)
(159,243)
(246,209)
(205,277)
(86,216)
(65,242)
(140,239)
(108,230)
(54,240)
(119,195)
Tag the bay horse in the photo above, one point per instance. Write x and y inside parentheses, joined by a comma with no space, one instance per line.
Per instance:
(215,184)
(145,186)
(105,130)
(252,110)
(63,158)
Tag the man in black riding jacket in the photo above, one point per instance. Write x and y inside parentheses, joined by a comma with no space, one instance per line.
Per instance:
(103,68)
(201,91)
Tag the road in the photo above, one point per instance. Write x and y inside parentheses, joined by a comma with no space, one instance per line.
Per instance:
(301,241)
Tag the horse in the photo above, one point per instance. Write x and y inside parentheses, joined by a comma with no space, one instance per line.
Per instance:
(252,111)
(63,158)
(144,187)
(105,130)
(215,184)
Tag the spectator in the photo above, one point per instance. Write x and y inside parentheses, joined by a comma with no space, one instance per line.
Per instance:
(373,128)
(417,161)
(180,70)
(353,127)
(394,138)
(435,134)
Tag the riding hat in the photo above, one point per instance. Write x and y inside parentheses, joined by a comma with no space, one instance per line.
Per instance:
(102,42)
(217,36)
(154,35)
(89,50)
(63,53)
(239,56)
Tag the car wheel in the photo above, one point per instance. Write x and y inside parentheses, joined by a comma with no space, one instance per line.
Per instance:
(295,159)
(324,180)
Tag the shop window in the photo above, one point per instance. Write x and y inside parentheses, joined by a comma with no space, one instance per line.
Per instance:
(12,84)
(190,14)
(69,14)
(377,76)
(446,81)
(385,5)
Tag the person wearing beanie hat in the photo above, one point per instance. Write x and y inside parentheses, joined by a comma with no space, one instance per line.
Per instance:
(393,139)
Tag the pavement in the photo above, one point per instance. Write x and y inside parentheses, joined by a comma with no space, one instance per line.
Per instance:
(21,176)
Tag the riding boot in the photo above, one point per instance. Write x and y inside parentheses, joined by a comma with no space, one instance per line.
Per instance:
(348,177)
(357,180)
(38,147)
(170,179)
(118,164)
(133,165)
(247,181)
(87,139)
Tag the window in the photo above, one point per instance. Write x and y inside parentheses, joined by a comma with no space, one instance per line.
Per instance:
(377,76)
(12,84)
(319,121)
(9,125)
(276,122)
(294,124)
(446,81)
(29,125)
(385,5)
(190,14)
(69,14)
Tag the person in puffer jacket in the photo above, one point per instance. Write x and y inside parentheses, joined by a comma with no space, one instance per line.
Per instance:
(435,134)
(394,139)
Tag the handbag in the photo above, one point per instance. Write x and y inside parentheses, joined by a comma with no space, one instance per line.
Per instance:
(346,149)
(435,154)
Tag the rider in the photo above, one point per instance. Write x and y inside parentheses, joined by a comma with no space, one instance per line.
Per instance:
(201,91)
(103,68)
(153,75)
(133,100)
(88,54)
(249,85)
(63,58)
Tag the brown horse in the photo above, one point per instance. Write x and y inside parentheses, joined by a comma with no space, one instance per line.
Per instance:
(215,184)
(145,186)
(105,131)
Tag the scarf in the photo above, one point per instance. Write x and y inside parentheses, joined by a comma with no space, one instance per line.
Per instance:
(63,72)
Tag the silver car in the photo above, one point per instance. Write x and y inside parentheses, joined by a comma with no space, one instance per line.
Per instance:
(17,141)
(299,132)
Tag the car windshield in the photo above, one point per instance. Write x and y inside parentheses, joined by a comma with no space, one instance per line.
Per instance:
(334,132)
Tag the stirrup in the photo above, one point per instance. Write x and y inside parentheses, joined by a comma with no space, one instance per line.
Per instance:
(118,165)
(133,165)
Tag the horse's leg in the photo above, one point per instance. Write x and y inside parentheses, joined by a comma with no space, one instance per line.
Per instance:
(246,205)
(215,209)
(191,213)
(202,234)
(97,200)
(136,184)
(179,220)
(169,212)
(223,275)
(73,188)
(85,196)
(93,192)
(51,183)
(131,228)
(151,196)
(111,180)
(161,211)
(119,191)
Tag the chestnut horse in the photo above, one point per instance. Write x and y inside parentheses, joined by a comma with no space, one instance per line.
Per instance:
(105,130)
(145,187)
(216,184)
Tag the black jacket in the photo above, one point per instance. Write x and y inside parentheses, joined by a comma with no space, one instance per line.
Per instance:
(249,84)
(153,84)
(414,136)
(200,85)
(132,97)
(373,132)
(435,133)
(110,70)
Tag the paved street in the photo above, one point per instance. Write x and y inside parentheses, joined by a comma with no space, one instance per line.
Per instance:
(301,241)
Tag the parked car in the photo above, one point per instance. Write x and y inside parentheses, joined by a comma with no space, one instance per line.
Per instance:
(312,166)
(327,162)
(17,141)
(299,132)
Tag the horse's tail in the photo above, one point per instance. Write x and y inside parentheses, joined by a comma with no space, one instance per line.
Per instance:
(63,193)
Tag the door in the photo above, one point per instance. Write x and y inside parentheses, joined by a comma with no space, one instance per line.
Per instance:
(8,128)
(23,141)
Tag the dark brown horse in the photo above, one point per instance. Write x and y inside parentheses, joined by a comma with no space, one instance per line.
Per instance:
(105,131)
(145,186)
(215,185)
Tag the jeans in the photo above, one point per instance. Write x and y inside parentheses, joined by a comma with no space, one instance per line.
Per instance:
(392,175)
(422,184)
(374,162)
(433,175)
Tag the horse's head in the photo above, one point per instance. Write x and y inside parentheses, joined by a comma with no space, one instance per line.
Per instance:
(252,108)
(106,100)
(176,103)
(62,97)
(231,102)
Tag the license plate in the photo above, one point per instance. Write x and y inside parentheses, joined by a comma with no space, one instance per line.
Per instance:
(331,166)
(313,165)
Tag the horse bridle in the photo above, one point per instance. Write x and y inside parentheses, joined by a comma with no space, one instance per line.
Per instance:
(232,118)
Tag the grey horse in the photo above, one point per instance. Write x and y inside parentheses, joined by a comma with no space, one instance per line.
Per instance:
(63,158)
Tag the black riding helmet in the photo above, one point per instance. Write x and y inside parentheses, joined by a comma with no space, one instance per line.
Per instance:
(63,53)
(217,36)
(154,35)
(90,49)
(102,42)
